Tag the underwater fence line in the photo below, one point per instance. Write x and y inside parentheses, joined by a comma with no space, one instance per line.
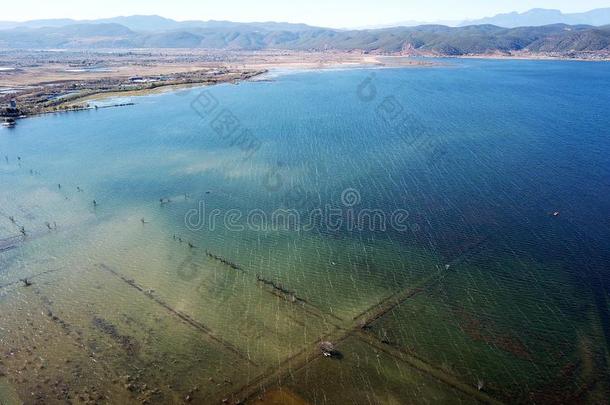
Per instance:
(27,280)
(224,261)
(309,353)
(288,366)
(468,251)
(386,305)
(10,243)
(182,316)
(423,366)
(278,290)
(285,292)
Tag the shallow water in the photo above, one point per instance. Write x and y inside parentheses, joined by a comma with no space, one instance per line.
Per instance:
(172,287)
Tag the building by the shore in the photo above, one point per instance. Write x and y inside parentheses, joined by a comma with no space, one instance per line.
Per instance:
(10,109)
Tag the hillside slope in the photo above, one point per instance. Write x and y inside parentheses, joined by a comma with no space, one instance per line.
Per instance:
(426,39)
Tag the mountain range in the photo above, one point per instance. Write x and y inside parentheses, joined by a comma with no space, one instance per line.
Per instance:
(159,32)
(152,23)
(532,18)
(539,16)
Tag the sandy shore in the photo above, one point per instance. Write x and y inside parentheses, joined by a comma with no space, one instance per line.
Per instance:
(288,65)
(46,82)
(40,73)
(58,73)
(43,74)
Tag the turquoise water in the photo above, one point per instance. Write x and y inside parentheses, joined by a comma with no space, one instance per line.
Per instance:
(499,170)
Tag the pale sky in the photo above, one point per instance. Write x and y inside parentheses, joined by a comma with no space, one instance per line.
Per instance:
(328,13)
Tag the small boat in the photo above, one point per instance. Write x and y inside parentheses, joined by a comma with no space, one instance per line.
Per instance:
(327,349)
(9,123)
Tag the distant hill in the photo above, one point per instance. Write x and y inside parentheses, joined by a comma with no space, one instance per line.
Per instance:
(412,23)
(155,23)
(37,23)
(69,36)
(425,39)
(539,17)
(143,22)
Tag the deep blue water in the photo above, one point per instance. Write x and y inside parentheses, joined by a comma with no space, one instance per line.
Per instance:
(480,154)
(471,148)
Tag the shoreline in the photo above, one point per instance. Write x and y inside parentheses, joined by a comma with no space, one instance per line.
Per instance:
(161,89)
(529,57)
(262,70)
(253,67)
(40,101)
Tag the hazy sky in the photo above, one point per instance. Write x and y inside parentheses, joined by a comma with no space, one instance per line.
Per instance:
(330,13)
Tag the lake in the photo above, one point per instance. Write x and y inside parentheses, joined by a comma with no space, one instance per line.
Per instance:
(446,228)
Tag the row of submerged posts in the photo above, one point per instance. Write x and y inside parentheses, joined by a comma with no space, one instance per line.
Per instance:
(223,261)
(12,242)
(279,288)
(15,241)
(276,288)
